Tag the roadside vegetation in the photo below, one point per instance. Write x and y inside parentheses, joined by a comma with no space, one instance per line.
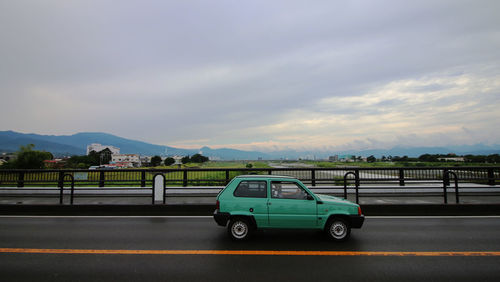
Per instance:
(219,164)
(426,160)
(28,158)
(325,164)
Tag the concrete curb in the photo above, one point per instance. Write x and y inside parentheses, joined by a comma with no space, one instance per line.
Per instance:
(207,210)
(431,209)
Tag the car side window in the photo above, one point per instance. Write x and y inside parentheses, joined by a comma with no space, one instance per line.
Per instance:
(287,190)
(251,189)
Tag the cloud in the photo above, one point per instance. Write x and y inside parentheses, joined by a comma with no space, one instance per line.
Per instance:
(257,75)
(398,113)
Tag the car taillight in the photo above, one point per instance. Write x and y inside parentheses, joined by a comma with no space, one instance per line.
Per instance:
(359,209)
(217,205)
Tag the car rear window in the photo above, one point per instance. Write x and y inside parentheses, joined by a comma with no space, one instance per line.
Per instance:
(251,189)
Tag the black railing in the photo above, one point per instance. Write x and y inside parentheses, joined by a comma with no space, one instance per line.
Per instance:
(337,181)
(217,177)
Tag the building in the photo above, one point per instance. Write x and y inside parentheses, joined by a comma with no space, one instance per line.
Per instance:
(345,158)
(98,147)
(126,160)
(334,158)
(178,160)
(452,159)
(8,157)
(55,163)
(145,160)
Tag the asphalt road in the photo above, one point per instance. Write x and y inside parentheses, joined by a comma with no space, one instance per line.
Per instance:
(164,234)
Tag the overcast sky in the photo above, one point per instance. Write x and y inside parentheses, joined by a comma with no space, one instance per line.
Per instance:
(254,75)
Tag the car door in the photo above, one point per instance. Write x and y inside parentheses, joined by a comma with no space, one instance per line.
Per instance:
(290,207)
(250,197)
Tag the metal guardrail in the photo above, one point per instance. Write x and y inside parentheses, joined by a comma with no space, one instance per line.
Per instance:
(445,181)
(140,181)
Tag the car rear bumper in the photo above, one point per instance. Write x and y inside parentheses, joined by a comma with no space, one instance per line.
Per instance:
(221,217)
(357,221)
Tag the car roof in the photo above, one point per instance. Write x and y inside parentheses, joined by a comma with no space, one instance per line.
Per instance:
(264,176)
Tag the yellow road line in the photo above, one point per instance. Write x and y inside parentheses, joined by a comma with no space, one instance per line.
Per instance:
(243,252)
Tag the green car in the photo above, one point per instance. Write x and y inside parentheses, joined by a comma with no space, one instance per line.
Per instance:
(249,202)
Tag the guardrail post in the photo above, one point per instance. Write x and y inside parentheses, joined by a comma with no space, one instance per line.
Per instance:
(401,177)
(61,178)
(227,176)
(185,179)
(101,179)
(269,171)
(313,177)
(345,182)
(456,186)
(143,178)
(20,179)
(72,188)
(491,176)
(61,187)
(357,189)
(445,176)
(158,188)
(356,173)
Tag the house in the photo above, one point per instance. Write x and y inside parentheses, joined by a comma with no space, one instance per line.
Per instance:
(452,159)
(126,160)
(55,163)
(8,156)
(334,158)
(98,147)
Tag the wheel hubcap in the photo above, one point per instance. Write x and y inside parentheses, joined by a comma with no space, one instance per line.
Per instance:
(239,229)
(338,230)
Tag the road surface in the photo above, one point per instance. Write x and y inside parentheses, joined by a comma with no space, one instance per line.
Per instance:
(196,249)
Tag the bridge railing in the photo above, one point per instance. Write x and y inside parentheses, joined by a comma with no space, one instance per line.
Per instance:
(419,181)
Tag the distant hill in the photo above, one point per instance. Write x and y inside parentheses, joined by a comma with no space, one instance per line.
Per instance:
(478,149)
(232,154)
(11,141)
(76,144)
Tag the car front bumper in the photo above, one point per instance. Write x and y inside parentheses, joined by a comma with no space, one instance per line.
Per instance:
(357,221)
(221,217)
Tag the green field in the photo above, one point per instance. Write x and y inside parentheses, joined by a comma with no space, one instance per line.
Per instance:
(220,164)
(325,164)
(196,176)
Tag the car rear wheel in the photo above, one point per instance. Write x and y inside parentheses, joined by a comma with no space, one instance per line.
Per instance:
(239,229)
(338,229)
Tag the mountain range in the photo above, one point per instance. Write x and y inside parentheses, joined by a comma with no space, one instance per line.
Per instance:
(76,144)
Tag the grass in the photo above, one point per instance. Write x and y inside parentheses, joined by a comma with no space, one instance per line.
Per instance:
(203,178)
(325,164)
(219,164)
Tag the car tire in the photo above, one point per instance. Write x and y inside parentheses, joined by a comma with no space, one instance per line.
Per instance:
(239,229)
(338,229)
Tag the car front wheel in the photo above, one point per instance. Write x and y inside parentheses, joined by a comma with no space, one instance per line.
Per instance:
(239,229)
(338,229)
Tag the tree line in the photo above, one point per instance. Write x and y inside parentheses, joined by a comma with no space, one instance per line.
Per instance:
(491,159)
(27,158)
(196,158)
